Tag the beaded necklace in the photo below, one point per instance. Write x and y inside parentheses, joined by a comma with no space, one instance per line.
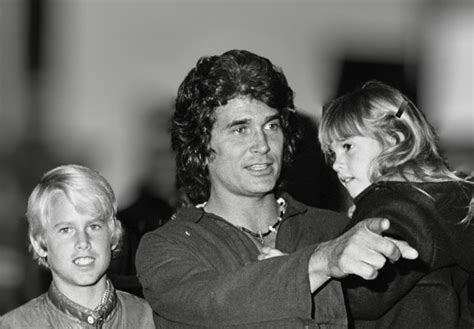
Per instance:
(105,296)
(271,228)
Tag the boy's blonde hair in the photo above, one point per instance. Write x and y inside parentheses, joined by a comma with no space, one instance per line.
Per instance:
(87,191)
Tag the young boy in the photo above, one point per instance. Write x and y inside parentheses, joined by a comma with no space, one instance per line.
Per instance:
(73,231)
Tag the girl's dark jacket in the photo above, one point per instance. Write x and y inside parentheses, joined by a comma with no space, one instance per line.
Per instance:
(429,292)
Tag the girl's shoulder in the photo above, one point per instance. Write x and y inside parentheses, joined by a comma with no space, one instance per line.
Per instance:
(442,192)
(444,198)
(429,189)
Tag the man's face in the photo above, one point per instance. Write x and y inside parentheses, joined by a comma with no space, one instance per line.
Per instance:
(248,142)
(78,245)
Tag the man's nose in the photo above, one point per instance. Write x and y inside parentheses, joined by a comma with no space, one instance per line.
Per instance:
(260,142)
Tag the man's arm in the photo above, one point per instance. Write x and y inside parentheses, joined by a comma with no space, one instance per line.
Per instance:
(205,284)
(361,251)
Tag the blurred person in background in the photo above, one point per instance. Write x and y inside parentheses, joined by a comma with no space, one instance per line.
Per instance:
(73,232)
(214,264)
(151,209)
(386,154)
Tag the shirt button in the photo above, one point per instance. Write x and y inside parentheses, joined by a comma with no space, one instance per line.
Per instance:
(90,319)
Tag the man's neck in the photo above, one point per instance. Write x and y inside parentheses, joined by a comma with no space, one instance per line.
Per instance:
(253,213)
(87,296)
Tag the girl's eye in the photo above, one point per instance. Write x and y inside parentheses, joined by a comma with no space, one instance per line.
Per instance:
(347,146)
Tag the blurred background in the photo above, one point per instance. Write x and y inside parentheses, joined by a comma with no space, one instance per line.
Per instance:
(93,82)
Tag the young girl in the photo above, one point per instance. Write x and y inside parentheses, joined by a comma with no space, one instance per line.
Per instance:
(385,154)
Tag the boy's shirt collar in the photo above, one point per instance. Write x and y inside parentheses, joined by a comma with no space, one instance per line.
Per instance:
(92,317)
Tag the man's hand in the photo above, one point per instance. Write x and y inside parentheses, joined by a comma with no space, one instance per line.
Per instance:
(268,252)
(361,251)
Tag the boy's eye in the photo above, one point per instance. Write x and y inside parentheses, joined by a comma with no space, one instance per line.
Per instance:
(65,230)
(96,227)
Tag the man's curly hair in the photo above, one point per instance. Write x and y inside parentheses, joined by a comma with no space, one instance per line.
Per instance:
(212,83)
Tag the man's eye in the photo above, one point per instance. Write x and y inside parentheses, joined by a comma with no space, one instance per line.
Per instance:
(239,130)
(273,126)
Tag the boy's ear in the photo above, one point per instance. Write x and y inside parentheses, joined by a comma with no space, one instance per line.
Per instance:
(114,241)
(39,246)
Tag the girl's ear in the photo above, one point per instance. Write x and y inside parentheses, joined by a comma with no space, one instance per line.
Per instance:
(39,245)
(395,139)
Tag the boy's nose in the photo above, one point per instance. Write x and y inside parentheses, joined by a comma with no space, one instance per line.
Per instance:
(82,240)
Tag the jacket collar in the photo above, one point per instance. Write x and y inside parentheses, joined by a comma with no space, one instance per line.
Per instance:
(94,317)
(193,214)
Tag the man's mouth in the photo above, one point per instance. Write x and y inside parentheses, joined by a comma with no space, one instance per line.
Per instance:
(258,167)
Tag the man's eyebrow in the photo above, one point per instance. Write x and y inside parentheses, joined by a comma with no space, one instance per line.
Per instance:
(273,117)
(238,122)
(246,121)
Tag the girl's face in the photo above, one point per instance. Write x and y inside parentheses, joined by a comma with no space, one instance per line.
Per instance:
(352,160)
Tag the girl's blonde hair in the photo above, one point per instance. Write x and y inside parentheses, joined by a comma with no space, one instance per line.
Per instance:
(86,189)
(409,142)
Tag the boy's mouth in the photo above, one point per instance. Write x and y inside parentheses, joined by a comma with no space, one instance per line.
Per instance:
(83,261)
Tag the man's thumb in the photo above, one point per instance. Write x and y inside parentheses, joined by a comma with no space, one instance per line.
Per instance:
(377,225)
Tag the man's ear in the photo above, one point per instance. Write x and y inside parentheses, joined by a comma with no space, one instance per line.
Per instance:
(211,157)
(39,245)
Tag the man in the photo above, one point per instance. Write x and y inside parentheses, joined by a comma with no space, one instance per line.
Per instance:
(243,253)
(73,230)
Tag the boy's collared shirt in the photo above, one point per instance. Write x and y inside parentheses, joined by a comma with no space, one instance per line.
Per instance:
(94,317)
(118,309)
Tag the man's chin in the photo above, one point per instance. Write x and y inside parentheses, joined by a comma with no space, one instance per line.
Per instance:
(263,188)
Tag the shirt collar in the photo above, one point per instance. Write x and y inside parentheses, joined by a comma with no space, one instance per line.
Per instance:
(93,317)
(193,214)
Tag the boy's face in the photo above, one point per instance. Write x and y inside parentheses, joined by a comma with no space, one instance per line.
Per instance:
(78,246)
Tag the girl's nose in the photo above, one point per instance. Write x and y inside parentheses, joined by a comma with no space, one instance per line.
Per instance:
(337,164)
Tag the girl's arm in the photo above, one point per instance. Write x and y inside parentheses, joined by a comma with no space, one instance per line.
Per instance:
(411,222)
